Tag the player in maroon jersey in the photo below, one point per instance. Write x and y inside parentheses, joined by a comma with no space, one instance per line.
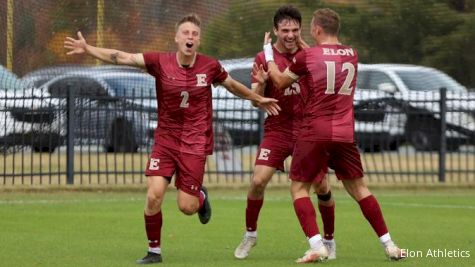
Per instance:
(184,136)
(327,138)
(280,132)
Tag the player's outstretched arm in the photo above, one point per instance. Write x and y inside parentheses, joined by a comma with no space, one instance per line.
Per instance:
(260,77)
(240,90)
(80,46)
(279,79)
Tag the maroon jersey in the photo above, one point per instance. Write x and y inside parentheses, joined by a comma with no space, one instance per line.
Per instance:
(287,123)
(329,72)
(184,101)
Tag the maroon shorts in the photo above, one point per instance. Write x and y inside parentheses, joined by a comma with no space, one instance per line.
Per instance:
(312,158)
(273,151)
(189,168)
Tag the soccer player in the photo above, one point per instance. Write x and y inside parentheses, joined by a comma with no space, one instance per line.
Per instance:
(280,132)
(184,135)
(327,137)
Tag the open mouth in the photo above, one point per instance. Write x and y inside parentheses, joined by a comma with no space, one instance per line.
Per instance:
(189,45)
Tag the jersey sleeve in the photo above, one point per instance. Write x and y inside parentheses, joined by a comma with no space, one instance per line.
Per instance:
(152,62)
(298,67)
(221,73)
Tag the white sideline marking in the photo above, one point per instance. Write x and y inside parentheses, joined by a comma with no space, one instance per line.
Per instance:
(134,199)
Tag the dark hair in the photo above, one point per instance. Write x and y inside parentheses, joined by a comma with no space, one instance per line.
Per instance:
(192,17)
(287,12)
(328,19)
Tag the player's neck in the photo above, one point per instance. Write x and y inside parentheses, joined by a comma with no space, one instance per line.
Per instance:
(282,48)
(329,40)
(184,60)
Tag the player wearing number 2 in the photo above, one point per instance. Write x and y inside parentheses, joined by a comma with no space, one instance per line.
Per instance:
(184,135)
(327,137)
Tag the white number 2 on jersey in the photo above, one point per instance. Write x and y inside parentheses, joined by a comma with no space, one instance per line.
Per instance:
(184,101)
(345,88)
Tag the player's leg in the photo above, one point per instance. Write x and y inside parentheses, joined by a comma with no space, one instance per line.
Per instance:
(270,157)
(160,169)
(372,212)
(304,171)
(348,168)
(326,206)
(192,196)
(307,217)
(255,199)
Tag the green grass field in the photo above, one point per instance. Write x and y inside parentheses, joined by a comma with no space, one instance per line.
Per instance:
(59,228)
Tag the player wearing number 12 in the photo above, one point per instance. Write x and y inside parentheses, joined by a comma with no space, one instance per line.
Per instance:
(327,137)
(184,136)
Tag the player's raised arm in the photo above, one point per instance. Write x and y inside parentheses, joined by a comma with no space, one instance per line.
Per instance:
(240,90)
(280,80)
(80,46)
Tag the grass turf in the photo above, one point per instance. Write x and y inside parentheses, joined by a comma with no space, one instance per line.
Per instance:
(106,229)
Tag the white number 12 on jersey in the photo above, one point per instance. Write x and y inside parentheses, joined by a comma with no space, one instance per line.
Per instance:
(345,88)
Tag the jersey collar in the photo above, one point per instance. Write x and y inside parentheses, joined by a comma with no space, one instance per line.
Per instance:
(191,64)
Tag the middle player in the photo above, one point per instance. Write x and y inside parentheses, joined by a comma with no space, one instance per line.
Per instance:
(280,132)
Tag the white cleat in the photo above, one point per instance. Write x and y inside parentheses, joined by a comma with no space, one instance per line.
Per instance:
(394,253)
(331,247)
(242,251)
(314,255)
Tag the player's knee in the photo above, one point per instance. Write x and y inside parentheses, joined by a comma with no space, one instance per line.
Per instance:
(259,183)
(154,200)
(188,208)
(357,189)
(322,189)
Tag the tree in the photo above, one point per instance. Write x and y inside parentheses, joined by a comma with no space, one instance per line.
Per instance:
(454,53)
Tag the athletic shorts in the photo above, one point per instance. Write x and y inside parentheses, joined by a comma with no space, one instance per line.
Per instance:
(189,168)
(311,158)
(273,151)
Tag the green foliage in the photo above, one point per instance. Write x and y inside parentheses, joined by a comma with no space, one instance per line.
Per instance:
(429,32)
(396,31)
(240,31)
(454,53)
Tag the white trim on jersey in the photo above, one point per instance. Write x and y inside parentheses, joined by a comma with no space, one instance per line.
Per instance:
(292,75)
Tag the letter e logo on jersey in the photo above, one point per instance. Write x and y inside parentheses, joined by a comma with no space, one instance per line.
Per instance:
(201,80)
(264,154)
(154,164)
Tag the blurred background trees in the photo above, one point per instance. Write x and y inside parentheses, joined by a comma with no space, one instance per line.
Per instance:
(437,33)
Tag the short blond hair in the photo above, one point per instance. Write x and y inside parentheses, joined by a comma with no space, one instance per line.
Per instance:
(328,19)
(192,17)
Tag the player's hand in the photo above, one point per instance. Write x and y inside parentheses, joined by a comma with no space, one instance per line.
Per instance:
(259,74)
(76,46)
(301,43)
(267,38)
(269,105)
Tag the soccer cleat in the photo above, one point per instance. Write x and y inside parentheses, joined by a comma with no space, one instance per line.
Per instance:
(331,247)
(150,258)
(314,255)
(242,251)
(204,213)
(394,253)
